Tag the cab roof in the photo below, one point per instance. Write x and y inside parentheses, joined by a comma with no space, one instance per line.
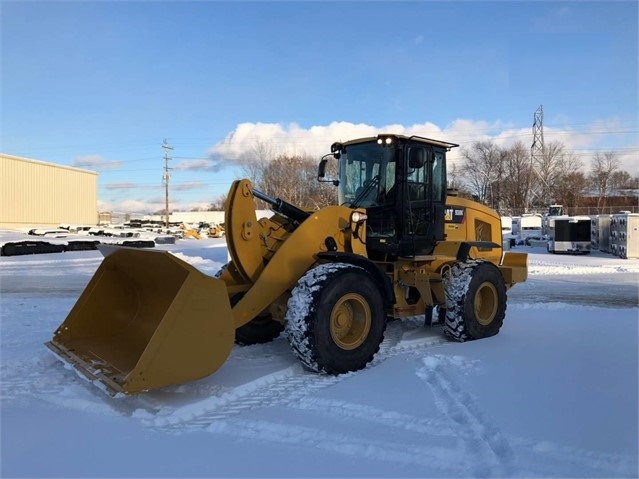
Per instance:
(404,138)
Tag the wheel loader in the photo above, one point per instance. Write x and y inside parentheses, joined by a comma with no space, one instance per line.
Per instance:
(215,231)
(396,244)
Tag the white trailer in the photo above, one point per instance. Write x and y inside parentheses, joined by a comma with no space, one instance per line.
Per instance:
(506,225)
(529,227)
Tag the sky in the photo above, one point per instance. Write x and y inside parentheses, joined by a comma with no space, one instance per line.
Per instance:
(101,85)
(553,395)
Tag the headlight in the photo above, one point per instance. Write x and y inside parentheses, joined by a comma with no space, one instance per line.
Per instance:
(357,217)
(385,140)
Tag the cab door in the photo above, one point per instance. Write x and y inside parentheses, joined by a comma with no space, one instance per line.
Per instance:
(423,200)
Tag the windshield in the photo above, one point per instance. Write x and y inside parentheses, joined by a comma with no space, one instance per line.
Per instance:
(367,173)
(555,210)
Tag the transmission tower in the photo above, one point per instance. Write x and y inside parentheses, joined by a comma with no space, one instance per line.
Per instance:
(166,177)
(537,149)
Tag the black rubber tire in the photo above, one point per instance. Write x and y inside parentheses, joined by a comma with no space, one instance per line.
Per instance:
(476,301)
(335,319)
(221,271)
(261,329)
(434,317)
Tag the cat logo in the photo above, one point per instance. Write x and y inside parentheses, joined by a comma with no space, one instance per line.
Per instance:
(455,215)
(448,216)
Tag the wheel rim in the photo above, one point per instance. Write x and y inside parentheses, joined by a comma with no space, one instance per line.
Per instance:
(485,303)
(350,321)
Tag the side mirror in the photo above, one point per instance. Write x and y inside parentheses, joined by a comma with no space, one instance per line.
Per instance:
(321,170)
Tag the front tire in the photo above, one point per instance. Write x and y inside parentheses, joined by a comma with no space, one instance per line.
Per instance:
(476,301)
(335,319)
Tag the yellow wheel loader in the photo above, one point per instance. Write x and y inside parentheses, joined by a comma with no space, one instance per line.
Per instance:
(215,231)
(188,232)
(397,244)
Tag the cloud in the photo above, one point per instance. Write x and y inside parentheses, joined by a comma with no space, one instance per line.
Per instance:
(188,186)
(275,138)
(130,206)
(195,206)
(150,206)
(139,206)
(195,165)
(95,161)
(293,139)
(124,185)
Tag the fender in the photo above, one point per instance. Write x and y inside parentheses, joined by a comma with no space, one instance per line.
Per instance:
(384,282)
(465,246)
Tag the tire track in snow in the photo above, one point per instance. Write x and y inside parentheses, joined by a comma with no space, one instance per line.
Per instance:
(295,388)
(45,377)
(286,386)
(490,453)
(545,459)
(526,457)
(435,457)
(279,387)
(370,414)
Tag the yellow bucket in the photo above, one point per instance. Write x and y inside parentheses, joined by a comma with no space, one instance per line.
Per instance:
(146,320)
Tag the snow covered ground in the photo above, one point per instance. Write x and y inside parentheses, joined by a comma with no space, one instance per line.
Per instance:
(555,394)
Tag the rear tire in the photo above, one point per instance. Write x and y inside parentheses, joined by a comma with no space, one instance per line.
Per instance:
(261,329)
(434,316)
(476,301)
(335,319)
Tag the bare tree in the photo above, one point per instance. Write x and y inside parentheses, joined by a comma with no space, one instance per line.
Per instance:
(218,204)
(483,169)
(255,162)
(621,180)
(568,185)
(571,189)
(549,169)
(455,181)
(290,177)
(603,167)
(518,178)
(294,178)
(287,177)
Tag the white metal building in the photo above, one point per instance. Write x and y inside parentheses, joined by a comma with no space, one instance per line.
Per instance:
(35,193)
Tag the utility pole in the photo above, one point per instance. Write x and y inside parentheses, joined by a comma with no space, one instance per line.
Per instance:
(166,177)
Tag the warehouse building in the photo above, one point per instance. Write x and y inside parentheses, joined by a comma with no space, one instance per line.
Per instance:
(35,193)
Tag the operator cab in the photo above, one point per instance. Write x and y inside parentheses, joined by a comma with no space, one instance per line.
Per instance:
(401,181)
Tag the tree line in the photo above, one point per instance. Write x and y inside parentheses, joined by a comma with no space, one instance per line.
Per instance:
(291,177)
(507,179)
(513,182)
